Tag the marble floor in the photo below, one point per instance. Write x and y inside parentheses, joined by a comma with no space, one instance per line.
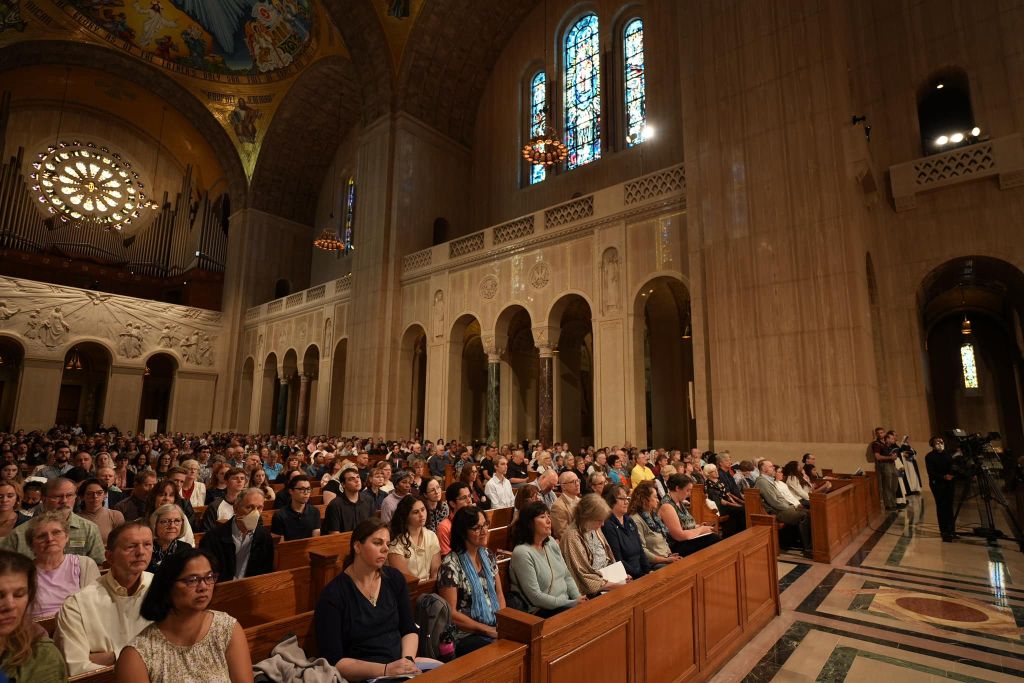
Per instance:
(897,605)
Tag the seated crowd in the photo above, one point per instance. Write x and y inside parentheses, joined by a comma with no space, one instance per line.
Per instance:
(122,539)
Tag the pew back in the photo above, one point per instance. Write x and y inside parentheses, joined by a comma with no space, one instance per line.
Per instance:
(291,554)
(260,599)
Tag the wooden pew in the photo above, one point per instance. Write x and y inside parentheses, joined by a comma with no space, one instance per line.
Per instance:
(499,516)
(503,661)
(291,554)
(700,511)
(712,602)
(839,515)
(259,599)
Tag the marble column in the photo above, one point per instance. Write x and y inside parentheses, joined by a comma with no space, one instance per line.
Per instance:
(493,400)
(546,395)
(282,407)
(301,421)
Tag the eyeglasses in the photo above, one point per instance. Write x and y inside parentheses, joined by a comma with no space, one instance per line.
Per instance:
(302,489)
(95,494)
(626,498)
(480,528)
(169,522)
(194,580)
(462,498)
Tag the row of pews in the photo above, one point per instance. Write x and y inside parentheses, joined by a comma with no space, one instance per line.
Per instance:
(712,602)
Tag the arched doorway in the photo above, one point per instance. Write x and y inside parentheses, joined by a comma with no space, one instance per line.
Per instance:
(245,389)
(307,387)
(467,381)
(335,415)
(412,382)
(268,395)
(574,371)
(157,390)
(971,311)
(11,356)
(664,360)
(83,386)
(520,375)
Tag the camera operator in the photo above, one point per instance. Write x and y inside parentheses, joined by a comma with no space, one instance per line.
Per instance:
(939,465)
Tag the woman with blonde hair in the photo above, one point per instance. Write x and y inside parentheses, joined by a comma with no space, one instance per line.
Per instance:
(584,547)
(26,653)
(194,491)
(10,498)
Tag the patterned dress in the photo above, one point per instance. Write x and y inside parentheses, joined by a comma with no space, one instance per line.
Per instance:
(203,662)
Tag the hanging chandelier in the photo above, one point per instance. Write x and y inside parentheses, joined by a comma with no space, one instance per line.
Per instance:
(74,361)
(329,241)
(545,148)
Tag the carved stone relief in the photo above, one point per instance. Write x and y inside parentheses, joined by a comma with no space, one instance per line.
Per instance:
(610,280)
(49,317)
(489,287)
(540,275)
(328,336)
(439,313)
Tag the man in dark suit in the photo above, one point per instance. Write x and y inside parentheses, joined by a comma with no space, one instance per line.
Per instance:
(243,547)
(939,465)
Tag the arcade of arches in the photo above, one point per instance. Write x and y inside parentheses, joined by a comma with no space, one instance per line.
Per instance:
(751,272)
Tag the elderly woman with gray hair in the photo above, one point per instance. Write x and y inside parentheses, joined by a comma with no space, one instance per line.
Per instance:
(58,574)
(169,538)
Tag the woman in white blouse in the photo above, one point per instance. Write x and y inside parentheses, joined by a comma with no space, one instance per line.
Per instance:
(194,491)
(414,548)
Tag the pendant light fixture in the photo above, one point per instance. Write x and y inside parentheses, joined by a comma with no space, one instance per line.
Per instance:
(328,239)
(546,148)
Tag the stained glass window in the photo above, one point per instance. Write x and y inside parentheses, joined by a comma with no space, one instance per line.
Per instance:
(350,212)
(969,365)
(538,119)
(635,84)
(583,92)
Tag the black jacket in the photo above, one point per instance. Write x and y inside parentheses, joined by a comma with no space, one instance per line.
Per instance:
(218,543)
(626,545)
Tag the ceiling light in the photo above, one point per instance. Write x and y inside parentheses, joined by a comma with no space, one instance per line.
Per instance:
(965,326)
(940,86)
(956,137)
(941,140)
(975,131)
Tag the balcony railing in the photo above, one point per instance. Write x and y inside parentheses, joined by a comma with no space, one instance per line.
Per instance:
(1002,157)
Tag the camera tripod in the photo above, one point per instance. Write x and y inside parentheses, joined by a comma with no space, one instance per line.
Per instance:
(989,492)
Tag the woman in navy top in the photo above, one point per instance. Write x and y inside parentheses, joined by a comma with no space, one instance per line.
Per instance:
(622,534)
(364,622)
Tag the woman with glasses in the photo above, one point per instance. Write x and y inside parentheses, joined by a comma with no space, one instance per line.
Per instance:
(168,525)
(433,498)
(622,534)
(91,496)
(58,575)
(468,582)
(186,643)
(538,571)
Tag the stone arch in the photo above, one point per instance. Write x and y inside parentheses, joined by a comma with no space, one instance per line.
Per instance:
(467,379)
(268,394)
(519,374)
(339,369)
(43,52)
(412,381)
(290,170)
(361,29)
(12,360)
(158,390)
(663,363)
(83,384)
(573,369)
(975,301)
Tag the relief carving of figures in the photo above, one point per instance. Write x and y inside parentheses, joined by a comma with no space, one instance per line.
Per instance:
(53,329)
(6,313)
(328,335)
(32,325)
(131,341)
(610,279)
(205,350)
(439,313)
(189,348)
(167,339)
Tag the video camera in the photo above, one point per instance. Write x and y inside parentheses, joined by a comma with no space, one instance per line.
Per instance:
(969,460)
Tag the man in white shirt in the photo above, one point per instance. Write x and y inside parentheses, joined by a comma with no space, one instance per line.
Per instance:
(95,623)
(499,489)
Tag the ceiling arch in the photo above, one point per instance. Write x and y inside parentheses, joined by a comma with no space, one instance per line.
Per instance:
(360,28)
(447,62)
(318,111)
(124,66)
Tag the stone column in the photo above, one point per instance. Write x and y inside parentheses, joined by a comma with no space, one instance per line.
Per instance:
(545,396)
(493,400)
(282,407)
(301,421)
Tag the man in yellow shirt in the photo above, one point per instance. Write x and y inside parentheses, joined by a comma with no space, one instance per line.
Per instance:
(641,472)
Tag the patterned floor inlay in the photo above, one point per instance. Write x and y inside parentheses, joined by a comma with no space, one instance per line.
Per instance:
(898,604)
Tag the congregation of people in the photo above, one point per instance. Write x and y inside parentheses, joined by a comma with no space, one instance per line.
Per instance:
(99,533)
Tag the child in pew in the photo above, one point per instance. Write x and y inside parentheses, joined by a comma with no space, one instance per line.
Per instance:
(364,622)
(186,643)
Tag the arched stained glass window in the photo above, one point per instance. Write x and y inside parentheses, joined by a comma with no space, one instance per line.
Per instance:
(583,92)
(635,90)
(969,365)
(538,119)
(350,212)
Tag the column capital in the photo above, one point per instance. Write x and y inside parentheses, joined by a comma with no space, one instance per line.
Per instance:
(545,336)
(546,351)
(491,347)
(494,358)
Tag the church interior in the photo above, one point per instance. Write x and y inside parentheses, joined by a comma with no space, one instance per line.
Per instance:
(745,226)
